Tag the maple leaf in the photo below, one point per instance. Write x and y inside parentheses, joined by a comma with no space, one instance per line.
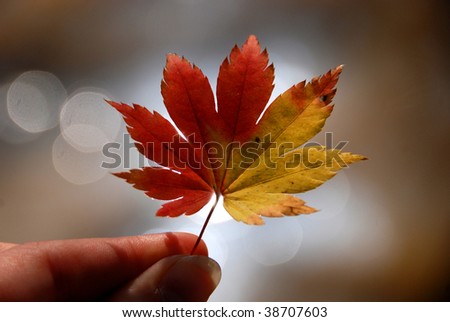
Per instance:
(256,165)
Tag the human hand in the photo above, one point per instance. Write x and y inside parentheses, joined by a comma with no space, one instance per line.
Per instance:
(140,268)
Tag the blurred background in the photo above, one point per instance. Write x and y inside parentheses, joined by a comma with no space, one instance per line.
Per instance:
(383,230)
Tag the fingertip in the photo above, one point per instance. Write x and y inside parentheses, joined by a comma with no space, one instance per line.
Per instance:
(184,242)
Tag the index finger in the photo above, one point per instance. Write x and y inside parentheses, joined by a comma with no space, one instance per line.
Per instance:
(5,246)
(84,269)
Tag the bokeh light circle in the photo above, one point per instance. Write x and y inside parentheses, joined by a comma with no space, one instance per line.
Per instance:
(75,166)
(88,122)
(220,215)
(34,100)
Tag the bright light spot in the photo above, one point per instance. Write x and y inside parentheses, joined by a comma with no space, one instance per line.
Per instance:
(85,137)
(276,242)
(10,132)
(87,122)
(34,100)
(75,166)
(220,215)
(217,247)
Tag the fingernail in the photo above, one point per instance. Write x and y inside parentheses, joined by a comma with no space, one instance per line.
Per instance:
(191,278)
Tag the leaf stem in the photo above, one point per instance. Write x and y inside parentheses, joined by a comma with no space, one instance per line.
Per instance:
(205,224)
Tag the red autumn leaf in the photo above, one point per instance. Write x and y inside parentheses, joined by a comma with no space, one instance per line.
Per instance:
(164,184)
(244,86)
(256,166)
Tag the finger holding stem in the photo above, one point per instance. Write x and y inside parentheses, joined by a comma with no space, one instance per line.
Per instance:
(205,224)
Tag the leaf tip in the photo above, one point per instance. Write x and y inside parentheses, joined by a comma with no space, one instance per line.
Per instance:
(359,157)
(172,59)
(252,46)
(254,220)
(307,210)
(112,103)
(337,71)
(170,56)
(252,39)
(122,175)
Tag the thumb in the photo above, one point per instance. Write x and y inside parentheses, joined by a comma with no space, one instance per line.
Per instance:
(175,278)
